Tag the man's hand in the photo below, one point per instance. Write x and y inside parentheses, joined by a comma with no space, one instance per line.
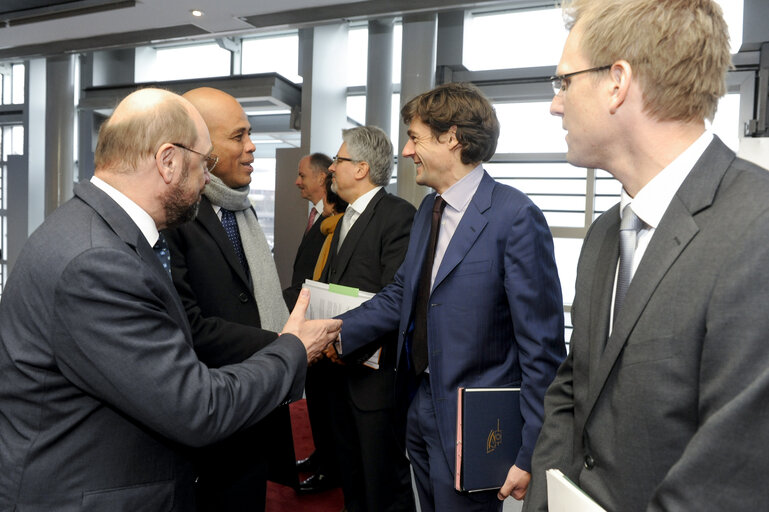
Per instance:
(516,484)
(332,354)
(315,335)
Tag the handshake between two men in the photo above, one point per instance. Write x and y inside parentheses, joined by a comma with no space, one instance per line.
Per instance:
(315,335)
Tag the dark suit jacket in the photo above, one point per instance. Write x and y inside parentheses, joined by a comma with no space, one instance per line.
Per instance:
(496,312)
(101,386)
(304,263)
(371,253)
(226,329)
(671,414)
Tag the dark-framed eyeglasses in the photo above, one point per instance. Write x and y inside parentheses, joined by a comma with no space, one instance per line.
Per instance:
(338,159)
(561,82)
(211,160)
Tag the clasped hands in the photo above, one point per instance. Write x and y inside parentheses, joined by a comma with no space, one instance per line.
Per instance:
(315,335)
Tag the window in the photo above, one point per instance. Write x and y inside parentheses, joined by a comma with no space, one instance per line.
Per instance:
(182,62)
(518,39)
(272,54)
(12,84)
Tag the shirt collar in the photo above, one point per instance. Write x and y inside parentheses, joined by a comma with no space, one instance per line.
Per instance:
(458,195)
(651,202)
(360,204)
(141,218)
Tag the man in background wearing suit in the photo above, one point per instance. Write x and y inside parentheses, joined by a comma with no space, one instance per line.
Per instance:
(367,248)
(485,311)
(311,182)
(661,403)
(225,275)
(101,386)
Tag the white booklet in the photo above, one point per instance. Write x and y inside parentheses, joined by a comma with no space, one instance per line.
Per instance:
(330,300)
(563,495)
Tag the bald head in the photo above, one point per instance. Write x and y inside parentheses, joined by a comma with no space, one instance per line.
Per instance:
(140,124)
(229,128)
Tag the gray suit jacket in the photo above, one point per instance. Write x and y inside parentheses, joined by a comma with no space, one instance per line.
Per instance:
(669,411)
(100,385)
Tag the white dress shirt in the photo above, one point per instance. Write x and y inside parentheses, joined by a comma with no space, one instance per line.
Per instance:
(652,201)
(354,211)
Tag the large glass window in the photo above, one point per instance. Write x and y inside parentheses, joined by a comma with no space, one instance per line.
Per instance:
(183,62)
(272,54)
(517,39)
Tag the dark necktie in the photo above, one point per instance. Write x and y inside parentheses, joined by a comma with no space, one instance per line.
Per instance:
(311,220)
(230,226)
(419,338)
(163,254)
(628,237)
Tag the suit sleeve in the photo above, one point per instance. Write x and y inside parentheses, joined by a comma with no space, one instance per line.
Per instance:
(115,338)
(364,326)
(723,466)
(217,342)
(536,308)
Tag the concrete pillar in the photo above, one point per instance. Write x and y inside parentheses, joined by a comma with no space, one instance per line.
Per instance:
(323,66)
(417,76)
(59,129)
(379,79)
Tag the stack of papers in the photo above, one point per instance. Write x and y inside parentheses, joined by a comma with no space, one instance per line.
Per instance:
(330,300)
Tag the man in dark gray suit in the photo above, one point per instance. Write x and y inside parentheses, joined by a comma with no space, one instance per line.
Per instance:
(101,387)
(661,403)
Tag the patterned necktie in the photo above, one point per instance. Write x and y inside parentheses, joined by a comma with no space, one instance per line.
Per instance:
(163,254)
(230,225)
(628,237)
(419,338)
(310,220)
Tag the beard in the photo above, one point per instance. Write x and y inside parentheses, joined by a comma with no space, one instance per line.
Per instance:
(178,206)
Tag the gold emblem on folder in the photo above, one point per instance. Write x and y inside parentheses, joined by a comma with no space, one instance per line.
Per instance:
(495,439)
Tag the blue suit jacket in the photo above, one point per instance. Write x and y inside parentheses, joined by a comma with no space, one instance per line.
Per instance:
(495,315)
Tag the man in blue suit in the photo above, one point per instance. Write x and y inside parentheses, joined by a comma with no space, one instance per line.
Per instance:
(485,312)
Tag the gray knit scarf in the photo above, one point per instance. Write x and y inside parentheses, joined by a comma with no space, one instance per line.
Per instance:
(269,297)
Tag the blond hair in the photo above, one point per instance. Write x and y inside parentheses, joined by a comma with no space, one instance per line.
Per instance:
(678,49)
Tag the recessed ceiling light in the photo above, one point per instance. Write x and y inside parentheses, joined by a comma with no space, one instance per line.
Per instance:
(196,12)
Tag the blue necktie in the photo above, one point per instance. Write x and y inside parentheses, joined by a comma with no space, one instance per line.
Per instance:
(230,226)
(163,254)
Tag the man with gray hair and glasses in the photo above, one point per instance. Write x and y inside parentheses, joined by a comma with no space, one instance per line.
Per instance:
(366,250)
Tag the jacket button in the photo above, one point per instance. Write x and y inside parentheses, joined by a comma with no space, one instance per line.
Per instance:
(589,462)
(243,297)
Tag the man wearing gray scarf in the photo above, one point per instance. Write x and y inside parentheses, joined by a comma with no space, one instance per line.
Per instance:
(224,272)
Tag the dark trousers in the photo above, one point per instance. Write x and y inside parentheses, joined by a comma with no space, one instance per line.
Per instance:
(322,387)
(372,459)
(432,473)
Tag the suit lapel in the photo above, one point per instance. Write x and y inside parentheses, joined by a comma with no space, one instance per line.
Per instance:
(603,288)
(211,223)
(354,235)
(469,229)
(127,230)
(676,230)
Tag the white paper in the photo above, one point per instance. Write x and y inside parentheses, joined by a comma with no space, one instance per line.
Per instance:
(325,303)
(564,496)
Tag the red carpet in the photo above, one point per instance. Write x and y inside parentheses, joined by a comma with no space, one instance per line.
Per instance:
(284,499)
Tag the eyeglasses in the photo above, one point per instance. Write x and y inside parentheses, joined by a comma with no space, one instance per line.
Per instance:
(211,160)
(561,82)
(338,159)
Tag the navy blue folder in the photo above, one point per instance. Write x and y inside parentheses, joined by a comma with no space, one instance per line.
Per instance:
(489,424)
